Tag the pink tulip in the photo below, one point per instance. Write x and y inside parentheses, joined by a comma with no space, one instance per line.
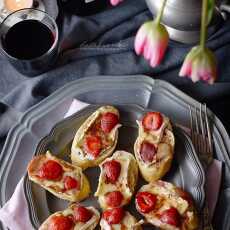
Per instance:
(115,2)
(200,64)
(151,41)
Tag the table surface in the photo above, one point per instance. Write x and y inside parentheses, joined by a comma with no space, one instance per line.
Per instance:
(102,44)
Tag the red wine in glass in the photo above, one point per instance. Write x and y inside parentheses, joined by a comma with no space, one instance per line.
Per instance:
(31,45)
(28,39)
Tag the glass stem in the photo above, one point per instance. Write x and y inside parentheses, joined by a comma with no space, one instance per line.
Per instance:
(160,12)
(203,32)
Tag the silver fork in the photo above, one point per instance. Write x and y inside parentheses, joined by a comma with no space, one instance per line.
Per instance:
(202,139)
(201,134)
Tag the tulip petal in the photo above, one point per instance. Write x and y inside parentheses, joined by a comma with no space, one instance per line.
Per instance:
(195,75)
(115,2)
(140,46)
(140,40)
(200,64)
(157,55)
(147,50)
(186,68)
(151,41)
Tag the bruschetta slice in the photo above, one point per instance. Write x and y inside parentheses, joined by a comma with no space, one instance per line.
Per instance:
(75,217)
(97,137)
(117,181)
(166,206)
(119,219)
(154,147)
(59,177)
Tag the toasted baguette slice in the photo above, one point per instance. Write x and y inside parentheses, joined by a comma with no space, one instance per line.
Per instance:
(128,222)
(169,200)
(79,156)
(57,187)
(125,183)
(164,142)
(76,225)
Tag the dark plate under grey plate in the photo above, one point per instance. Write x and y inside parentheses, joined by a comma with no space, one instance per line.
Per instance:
(139,92)
(186,171)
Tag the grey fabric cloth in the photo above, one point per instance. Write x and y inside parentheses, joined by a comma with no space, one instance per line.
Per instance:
(102,44)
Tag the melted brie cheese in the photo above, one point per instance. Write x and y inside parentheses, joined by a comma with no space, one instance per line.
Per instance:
(74,173)
(153,136)
(89,225)
(156,138)
(126,181)
(169,195)
(127,223)
(77,149)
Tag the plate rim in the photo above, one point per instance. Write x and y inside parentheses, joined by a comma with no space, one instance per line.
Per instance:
(26,121)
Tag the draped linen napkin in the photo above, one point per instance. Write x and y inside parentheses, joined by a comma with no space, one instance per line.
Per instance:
(15,215)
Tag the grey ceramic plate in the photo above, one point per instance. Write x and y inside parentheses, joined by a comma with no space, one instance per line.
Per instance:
(186,172)
(139,91)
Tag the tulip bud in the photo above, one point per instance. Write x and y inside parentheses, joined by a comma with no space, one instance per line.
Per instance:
(151,41)
(200,64)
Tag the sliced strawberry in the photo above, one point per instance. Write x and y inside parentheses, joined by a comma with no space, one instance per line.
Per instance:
(147,152)
(109,121)
(112,171)
(113,216)
(71,183)
(51,170)
(152,121)
(171,216)
(145,202)
(114,199)
(92,145)
(61,223)
(82,214)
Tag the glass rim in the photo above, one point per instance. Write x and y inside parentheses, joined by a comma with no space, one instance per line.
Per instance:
(43,55)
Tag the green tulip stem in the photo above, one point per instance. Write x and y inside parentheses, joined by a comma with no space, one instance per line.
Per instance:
(203,32)
(160,12)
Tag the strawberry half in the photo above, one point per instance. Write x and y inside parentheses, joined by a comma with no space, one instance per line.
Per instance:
(92,145)
(152,121)
(147,152)
(145,202)
(50,170)
(114,199)
(171,216)
(61,223)
(113,216)
(70,183)
(112,171)
(109,121)
(82,214)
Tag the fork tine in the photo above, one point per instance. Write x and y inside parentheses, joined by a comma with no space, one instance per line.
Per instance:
(196,119)
(191,118)
(208,129)
(191,125)
(203,130)
(198,128)
(201,122)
